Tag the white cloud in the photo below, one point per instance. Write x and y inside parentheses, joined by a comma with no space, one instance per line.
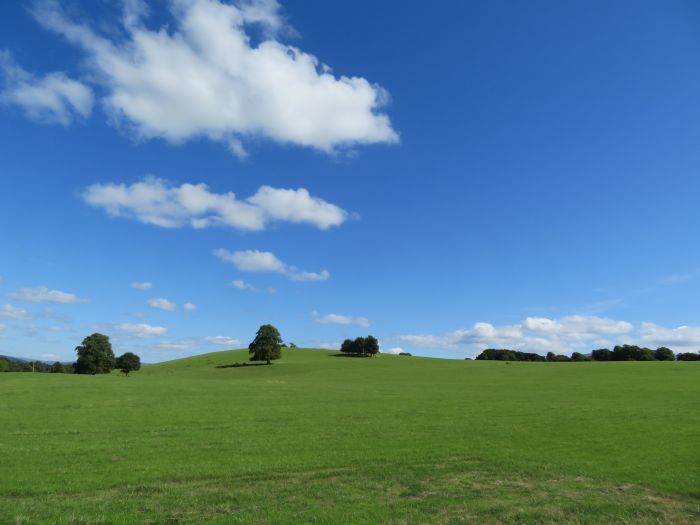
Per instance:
(537,334)
(267,262)
(242,285)
(683,338)
(323,275)
(50,356)
(395,350)
(205,77)
(577,326)
(340,319)
(189,307)
(141,329)
(154,201)
(7,311)
(54,98)
(2,327)
(222,340)
(162,304)
(330,346)
(142,286)
(42,294)
(252,260)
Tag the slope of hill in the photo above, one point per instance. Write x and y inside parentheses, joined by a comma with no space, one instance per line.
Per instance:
(318,438)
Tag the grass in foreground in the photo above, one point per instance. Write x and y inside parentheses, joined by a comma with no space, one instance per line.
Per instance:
(322,439)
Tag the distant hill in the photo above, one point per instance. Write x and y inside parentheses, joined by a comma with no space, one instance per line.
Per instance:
(26,360)
(16,359)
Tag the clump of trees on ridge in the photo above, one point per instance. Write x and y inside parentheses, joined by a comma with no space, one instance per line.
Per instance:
(361,346)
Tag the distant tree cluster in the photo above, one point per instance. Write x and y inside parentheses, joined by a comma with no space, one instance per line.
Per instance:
(361,346)
(633,353)
(95,356)
(503,354)
(17,365)
(619,353)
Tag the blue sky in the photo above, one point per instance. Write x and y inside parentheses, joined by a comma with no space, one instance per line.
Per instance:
(447,178)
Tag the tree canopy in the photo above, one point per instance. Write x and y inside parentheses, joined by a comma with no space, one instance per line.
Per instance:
(95,355)
(361,346)
(128,362)
(267,344)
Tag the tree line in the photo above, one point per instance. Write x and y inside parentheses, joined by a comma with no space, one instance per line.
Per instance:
(95,356)
(618,353)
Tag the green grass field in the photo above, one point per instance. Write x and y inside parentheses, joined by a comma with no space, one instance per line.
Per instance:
(322,439)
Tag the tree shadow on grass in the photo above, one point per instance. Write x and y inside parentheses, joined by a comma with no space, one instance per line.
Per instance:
(242,365)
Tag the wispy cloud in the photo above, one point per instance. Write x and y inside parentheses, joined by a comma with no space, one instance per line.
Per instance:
(340,319)
(142,285)
(54,98)
(141,329)
(7,311)
(267,262)
(42,294)
(242,285)
(162,304)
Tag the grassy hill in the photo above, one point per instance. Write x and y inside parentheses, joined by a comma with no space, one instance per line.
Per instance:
(317,438)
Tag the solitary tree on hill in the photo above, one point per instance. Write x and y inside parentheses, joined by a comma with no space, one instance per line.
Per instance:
(128,362)
(95,355)
(267,344)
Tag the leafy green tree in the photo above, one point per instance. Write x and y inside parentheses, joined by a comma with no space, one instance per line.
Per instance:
(664,354)
(267,344)
(646,354)
(602,354)
(688,356)
(348,346)
(95,355)
(128,362)
(371,346)
(578,356)
(360,346)
(5,365)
